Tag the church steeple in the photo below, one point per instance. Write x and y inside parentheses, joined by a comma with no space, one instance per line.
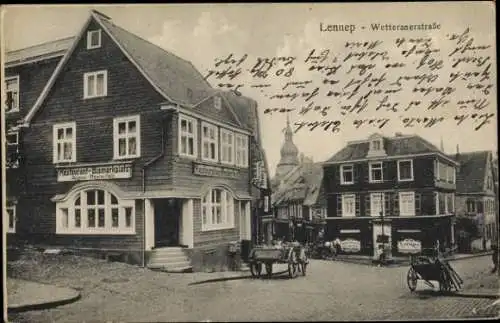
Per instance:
(289,152)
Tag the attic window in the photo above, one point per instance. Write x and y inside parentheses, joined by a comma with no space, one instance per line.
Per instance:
(217,102)
(93,39)
(376,145)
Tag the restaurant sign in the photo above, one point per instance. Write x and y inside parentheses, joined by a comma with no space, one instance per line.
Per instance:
(409,246)
(214,171)
(350,245)
(94,172)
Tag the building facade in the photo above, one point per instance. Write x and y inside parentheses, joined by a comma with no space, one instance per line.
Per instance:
(476,200)
(396,193)
(128,150)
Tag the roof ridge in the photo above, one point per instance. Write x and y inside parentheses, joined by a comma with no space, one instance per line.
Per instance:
(40,44)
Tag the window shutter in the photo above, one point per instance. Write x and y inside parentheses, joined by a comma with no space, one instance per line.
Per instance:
(367,204)
(385,171)
(357,204)
(340,174)
(417,203)
(387,203)
(339,205)
(356,173)
(366,172)
(396,204)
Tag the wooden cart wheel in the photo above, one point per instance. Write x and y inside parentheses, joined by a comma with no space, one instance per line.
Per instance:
(292,265)
(412,279)
(256,269)
(269,269)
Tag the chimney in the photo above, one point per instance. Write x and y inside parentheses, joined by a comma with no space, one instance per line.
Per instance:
(457,154)
(442,145)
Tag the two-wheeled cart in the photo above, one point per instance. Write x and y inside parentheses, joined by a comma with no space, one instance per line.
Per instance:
(428,266)
(294,255)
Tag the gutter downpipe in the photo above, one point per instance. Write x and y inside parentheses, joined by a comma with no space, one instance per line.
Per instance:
(147,164)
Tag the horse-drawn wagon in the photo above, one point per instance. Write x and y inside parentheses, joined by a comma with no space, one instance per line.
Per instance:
(292,254)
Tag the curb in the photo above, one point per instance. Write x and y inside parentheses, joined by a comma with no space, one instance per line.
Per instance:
(488,253)
(477,295)
(43,306)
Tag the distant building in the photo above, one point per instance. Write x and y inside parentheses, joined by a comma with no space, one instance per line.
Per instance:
(298,196)
(475,197)
(390,191)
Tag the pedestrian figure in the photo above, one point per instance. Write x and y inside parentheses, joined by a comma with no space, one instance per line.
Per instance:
(337,246)
(494,258)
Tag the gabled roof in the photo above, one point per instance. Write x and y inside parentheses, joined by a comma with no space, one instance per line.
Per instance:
(173,77)
(394,146)
(472,173)
(56,48)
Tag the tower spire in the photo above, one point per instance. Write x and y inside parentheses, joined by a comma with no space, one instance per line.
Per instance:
(442,144)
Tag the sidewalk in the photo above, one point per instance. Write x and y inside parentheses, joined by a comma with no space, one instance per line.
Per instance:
(23,295)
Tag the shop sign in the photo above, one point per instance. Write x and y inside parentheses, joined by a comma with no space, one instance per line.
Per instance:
(214,171)
(350,245)
(409,246)
(94,172)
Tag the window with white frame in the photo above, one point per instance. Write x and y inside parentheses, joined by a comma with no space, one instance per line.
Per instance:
(95,212)
(405,170)
(12,94)
(376,204)
(471,206)
(348,205)
(10,214)
(376,145)
(187,136)
(127,137)
(450,204)
(218,102)
(93,39)
(347,174)
(64,140)
(450,174)
(241,143)
(217,210)
(210,142)
(227,146)
(376,174)
(12,155)
(407,203)
(95,84)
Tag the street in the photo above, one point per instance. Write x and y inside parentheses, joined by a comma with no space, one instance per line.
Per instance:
(330,291)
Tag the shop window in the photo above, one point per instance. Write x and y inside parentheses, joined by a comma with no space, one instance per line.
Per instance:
(217,210)
(187,136)
(347,174)
(64,140)
(127,137)
(95,212)
(210,142)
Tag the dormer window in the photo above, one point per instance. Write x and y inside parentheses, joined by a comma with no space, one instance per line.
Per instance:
(217,102)
(376,145)
(93,39)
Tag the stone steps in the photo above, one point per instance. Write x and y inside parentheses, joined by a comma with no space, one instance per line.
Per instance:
(170,259)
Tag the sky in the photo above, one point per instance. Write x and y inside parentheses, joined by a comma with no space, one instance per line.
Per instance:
(203,32)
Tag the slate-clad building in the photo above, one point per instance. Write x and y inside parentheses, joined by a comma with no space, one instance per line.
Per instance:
(128,150)
(404,178)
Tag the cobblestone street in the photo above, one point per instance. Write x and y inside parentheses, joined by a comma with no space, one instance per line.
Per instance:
(330,291)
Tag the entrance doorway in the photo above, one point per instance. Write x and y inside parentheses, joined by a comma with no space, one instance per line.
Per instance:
(167,222)
(381,239)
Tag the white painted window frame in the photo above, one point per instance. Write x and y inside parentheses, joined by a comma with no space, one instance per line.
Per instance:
(217,102)
(241,148)
(348,199)
(227,210)
(56,141)
(84,229)
(411,171)
(17,78)
(188,135)
(379,198)
(86,78)
(342,170)
(209,141)
(10,208)
(224,146)
(404,202)
(127,136)
(371,166)
(90,33)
